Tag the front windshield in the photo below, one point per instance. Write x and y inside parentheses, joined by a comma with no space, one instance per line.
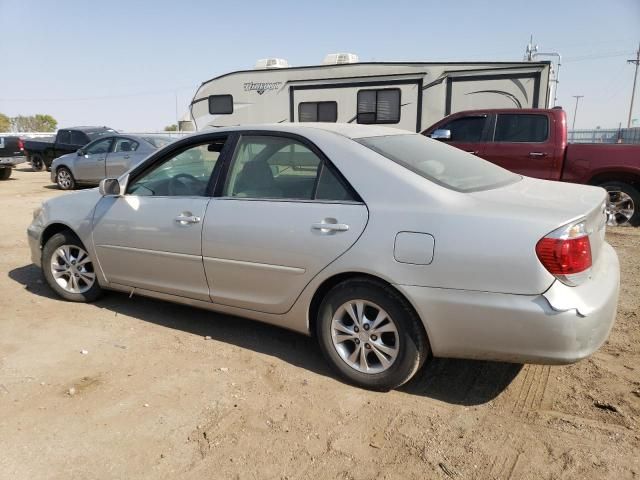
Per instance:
(440,163)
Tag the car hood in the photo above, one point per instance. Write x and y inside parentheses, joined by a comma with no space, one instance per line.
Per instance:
(69,157)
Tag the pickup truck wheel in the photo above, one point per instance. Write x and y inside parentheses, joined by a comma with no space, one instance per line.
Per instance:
(64,179)
(623,204)
(5,173)
(68,268)
(37,162)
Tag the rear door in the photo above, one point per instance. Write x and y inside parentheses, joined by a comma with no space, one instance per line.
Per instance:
(123,155)
(90,167)
(523,143)
(284,213)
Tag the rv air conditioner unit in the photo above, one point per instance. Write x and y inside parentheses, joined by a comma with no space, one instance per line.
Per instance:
(340,58)
(267,63)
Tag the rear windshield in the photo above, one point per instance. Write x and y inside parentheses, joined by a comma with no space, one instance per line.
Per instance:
(93,134)
(440,163)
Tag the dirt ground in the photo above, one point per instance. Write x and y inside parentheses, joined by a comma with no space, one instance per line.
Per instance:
(152,398)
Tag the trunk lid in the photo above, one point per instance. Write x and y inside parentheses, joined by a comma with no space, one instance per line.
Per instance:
(551,205)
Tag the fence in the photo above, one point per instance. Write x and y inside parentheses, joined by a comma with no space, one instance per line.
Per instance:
(606,135)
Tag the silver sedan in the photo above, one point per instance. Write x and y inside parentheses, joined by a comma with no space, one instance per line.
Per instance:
(108,156)
(387,246)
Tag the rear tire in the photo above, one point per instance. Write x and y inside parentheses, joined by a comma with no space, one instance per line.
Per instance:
(381,344)
(623,204)
(64,179)
(5,173)
(37,162)
(69,269)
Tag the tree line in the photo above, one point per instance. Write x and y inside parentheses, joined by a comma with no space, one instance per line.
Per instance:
(28,123)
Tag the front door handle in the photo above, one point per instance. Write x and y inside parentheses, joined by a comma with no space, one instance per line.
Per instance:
(329,225)
(186,218)
(472,152)
(537,154)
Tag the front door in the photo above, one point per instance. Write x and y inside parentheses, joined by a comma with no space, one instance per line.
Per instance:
(467,132)
(90,167)
(150,237)
(285,214)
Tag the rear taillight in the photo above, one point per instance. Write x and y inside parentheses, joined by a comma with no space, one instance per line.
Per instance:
(566,253)
(20,144)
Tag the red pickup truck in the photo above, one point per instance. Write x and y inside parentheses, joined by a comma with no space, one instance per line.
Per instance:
(533,142)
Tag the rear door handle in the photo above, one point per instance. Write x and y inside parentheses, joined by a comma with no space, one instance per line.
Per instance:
(327,226)
(186,219)
(126,156)
(537,154)
(472,152)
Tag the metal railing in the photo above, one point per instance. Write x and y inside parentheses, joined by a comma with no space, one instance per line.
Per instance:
(605,135)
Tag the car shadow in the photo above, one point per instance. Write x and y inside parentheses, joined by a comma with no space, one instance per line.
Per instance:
(460,382)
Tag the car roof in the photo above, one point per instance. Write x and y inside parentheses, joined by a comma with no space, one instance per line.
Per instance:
(348,130)
(89,129)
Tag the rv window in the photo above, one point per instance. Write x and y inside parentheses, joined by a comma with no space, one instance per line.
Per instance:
(220,104)
(521,128)
(318,112)
(379,106)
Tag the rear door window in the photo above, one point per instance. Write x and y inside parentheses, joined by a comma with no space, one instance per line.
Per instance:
(525,128)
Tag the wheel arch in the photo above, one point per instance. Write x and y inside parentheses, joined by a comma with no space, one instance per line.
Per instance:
(334,280)
(623,176)
(53,229)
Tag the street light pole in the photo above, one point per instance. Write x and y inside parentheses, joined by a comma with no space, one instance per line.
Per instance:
(575,112)
(635,79)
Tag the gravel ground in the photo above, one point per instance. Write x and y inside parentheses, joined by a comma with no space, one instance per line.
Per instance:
(152,398)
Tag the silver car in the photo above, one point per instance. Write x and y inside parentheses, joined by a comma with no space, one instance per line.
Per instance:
(388,246)
(108,156)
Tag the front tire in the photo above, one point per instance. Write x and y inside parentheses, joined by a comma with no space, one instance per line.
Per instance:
(68,268)
(37,162)
(623,204)
(370,334)
(64,179)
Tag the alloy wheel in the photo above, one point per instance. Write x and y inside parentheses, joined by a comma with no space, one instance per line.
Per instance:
(64,179)
(365,336)
(620,208)
(72,269)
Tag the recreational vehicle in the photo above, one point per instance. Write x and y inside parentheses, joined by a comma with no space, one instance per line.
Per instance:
(406,95)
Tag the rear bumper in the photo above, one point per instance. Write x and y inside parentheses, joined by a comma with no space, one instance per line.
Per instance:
(11,161)
(563,325)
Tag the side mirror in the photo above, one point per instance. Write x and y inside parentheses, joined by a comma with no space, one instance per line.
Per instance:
(110,187)
(441,134)
(80,152)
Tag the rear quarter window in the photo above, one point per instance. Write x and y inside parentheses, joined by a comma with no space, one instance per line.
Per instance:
(442,164)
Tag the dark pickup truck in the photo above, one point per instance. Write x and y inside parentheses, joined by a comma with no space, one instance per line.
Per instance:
(11,154)
(533,142)
(68,140)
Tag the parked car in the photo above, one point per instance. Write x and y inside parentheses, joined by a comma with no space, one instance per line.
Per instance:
(11,154)
(533,142)
(385,244)
(67,140)
(108,156)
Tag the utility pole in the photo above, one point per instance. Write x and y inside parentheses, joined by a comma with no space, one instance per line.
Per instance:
(575,112)
(635,61)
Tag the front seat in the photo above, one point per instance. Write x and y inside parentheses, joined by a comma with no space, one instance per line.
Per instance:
(256,180)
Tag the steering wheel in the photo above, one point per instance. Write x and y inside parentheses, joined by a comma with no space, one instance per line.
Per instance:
(183,184)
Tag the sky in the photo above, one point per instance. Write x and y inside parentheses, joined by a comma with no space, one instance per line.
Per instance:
(129,64)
